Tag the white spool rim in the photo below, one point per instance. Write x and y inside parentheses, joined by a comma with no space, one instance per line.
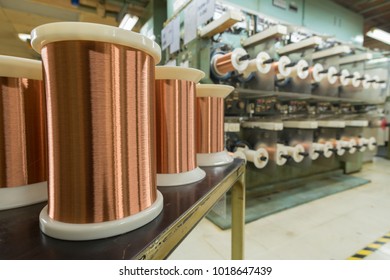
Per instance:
(183,178)
(240,154)
(302,74)
(240,66)
(16,67)
(352,149)
(317,76)
(261,67)
(212,90)
(331,72)
(371,142)
(65,31)
(298,149)
(178,73)
(214,159)
(23,195)
(355,80)
(366,84)
(343,80)
(280,150)
(92,231)
(283,61)
(327,149)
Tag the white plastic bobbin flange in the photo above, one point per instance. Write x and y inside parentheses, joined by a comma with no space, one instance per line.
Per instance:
(282,69)
(296,152)
(239,153)
(353,146)
(259,157)
(281,151)
(332,75)
(356,79)
(345,78)
(363,143)
(372,143)
(316,72)
(344,146)
(263,68)
(302,69)
(92,231)
(213,159)
(367,81)
(183,178)
(328,149)
(375,84)
(240,66)
(14,197)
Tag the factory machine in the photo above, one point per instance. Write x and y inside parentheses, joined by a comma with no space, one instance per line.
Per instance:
(304,104)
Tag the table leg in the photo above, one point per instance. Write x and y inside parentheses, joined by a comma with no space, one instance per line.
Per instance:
(238,218)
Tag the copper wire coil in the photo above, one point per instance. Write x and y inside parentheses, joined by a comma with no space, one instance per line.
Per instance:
(101,127)
(22,132)
(176,151)
(209,124)
(224,63)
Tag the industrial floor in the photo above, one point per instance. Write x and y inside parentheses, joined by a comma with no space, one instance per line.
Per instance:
(332,228)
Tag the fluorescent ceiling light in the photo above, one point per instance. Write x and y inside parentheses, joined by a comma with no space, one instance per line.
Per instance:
(380,35)
(128,22)
(24,37)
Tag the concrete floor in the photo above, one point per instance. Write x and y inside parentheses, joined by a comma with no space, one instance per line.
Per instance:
(334,227)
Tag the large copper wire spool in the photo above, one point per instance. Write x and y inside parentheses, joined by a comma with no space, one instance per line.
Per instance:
(210,144)
(176,122)
(101,127)
(22,133)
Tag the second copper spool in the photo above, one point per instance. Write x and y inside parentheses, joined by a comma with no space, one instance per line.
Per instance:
(210,124)
(175,115)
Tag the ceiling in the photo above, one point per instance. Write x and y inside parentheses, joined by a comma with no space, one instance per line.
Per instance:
(376,13)
(21,16)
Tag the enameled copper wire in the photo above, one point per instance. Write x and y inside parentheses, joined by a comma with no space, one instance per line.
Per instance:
(101,127)
(22,132)
(176,151)
(210,124)
(224,63)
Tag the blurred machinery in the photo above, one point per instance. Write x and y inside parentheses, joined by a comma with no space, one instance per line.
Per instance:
(303,104)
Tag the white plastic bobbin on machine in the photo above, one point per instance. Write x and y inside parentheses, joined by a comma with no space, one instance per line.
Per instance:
(353,146)
(283,67)
(345,78)
(344,146)
(210,124)
(98,190)
(262,63)
(372,143)
(22,130)
(332,75)
(301,70)
(258,157)
(356,80)
(239,153)
(281,155)
(321,148)
(297,152)
(375,83)
(317,73)
(367,81)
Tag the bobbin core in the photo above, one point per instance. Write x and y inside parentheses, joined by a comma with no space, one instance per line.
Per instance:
(91,231)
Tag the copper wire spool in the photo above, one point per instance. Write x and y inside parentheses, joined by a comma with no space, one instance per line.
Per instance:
(224,63)
(233,61)
(101,127)
(22,133)
(210,144)
(175,114)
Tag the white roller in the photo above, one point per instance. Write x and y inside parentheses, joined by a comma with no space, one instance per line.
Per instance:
(281,70)
(366,82)
(301,70)
(315,73)
(240,66)
(259,157)
(332,75)
(356,79)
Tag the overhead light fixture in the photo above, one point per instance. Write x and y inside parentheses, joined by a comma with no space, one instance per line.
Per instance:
(380,35)
(24,37)
(128,22)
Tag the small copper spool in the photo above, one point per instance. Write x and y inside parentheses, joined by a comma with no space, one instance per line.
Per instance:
(101,127)
(176,122)
(22,133)
(210,144)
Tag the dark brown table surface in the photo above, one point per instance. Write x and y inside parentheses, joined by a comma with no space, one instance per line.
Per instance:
(21,238)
